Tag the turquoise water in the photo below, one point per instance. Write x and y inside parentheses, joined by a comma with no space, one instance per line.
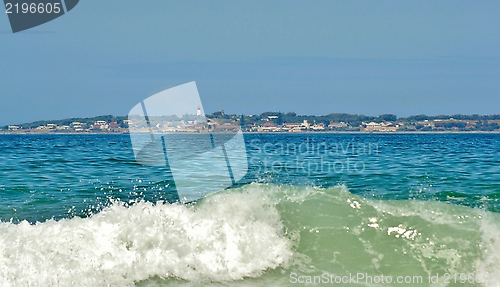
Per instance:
(79,211)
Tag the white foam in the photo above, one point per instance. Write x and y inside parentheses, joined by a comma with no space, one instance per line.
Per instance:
(488,267)
(228,236)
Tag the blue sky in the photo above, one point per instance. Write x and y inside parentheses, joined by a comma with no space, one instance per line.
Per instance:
(310,57)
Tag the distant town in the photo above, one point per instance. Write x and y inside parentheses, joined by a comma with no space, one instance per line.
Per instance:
(268,122)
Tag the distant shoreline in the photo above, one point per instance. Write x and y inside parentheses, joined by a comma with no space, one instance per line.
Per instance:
(263,133)
(268,122)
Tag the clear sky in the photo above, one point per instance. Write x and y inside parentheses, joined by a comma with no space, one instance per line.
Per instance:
(310,57)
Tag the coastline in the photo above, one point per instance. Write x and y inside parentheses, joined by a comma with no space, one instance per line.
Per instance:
(263,133)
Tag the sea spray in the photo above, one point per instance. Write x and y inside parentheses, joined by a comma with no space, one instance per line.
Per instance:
(228,236)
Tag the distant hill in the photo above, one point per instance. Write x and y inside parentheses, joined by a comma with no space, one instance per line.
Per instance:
(66,122)
(278,121)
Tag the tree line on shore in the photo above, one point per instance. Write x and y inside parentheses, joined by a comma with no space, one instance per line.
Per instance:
(481,122)
(355,120)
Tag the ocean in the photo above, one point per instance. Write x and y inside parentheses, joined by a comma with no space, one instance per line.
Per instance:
(313,210)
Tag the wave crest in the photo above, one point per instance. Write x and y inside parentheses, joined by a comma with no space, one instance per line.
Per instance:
(228,236)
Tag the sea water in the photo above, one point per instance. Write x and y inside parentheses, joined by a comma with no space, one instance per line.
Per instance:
(323,209)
